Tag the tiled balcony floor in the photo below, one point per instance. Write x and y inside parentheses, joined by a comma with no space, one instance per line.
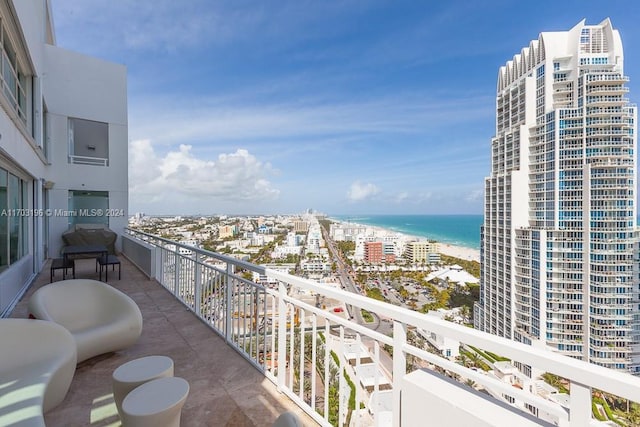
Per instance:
(225,390)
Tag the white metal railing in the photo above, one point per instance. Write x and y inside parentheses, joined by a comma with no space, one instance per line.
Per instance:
(85,160)
(299,346)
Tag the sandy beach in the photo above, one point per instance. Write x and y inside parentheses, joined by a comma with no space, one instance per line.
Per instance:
(460,252)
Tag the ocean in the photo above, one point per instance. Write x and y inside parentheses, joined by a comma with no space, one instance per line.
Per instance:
(460,230)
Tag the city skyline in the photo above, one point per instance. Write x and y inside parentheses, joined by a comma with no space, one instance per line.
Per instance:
(345,108)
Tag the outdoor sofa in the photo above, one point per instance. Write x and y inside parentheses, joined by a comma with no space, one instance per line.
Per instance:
(101,318)
(37,363)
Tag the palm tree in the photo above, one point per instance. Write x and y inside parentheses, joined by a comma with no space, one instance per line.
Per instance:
(476,359)
(464,360)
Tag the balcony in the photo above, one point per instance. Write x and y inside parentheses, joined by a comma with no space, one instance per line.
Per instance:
(253,350)
(225,389)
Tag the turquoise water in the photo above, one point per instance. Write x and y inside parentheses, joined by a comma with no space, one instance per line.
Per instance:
(460,230)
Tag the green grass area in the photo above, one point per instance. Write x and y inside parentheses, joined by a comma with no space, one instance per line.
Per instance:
(366,316)
(375,293)
(596,413)
(483,354)
(335,358)
(555,381)
(352,397)
(498,358)
(607,410)
(352,394)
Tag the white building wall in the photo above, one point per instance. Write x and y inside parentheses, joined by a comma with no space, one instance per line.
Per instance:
(88,88)
(70,85)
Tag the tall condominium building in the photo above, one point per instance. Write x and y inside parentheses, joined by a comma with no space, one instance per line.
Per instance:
(557,249)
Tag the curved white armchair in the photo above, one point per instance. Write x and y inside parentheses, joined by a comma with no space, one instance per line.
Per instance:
(100,318)
(37,363)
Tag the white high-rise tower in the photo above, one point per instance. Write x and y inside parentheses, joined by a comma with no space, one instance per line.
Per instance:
(560,203)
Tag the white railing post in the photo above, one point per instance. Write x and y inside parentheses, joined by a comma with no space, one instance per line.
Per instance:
(197,292)
(580,405)
(282,336)
(229,304)
(327,360)
(176,274)
(159,272)
(301,379)
(342,384)
(314,343)
(399,367)
(356,380)
(376,386)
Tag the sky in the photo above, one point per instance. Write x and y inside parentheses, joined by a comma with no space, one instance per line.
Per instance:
(345,107)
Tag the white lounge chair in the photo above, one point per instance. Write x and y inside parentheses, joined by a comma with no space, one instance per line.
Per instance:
(101,318)
(287,419)
(37,363)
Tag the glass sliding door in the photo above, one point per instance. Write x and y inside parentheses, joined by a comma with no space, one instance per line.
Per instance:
(14,218)
(15,221)
(88,207)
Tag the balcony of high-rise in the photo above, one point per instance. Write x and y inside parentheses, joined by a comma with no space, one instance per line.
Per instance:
(251,351)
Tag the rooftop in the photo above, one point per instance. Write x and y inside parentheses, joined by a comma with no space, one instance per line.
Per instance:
(225,390)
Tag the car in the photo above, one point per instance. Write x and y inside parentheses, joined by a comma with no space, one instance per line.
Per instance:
(338,310)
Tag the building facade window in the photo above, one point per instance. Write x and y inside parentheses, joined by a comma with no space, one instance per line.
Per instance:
(88,142)
(88,207)
(13,218)
(15,74)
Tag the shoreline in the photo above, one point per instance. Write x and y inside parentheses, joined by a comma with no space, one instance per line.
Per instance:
(462,252)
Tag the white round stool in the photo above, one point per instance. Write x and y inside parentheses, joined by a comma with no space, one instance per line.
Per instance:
(137,372)
(156,403)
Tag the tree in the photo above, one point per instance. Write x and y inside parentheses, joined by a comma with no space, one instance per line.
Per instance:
(465,312)
(464,360)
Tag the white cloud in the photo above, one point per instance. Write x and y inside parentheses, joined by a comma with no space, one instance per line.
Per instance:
(361,191)
(222,119)
(401,196)
(238,176)
(475,195)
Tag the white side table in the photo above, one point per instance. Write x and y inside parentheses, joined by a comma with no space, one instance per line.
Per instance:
(156,403)
(137,372)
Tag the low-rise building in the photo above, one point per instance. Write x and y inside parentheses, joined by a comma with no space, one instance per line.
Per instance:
(422,252)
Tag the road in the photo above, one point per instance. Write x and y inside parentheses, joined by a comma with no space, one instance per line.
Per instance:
(344,272)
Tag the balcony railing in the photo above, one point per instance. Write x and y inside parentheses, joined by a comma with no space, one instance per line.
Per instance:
(281,327)
(85,160)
